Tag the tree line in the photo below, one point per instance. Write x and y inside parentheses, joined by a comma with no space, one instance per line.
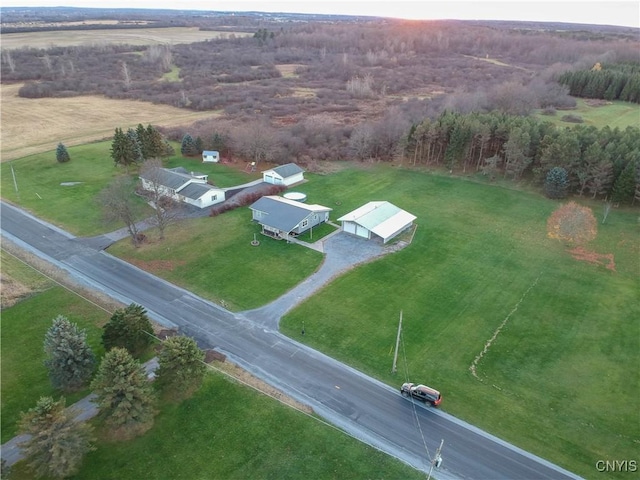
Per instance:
(608,82)
(127,400)
(601,163)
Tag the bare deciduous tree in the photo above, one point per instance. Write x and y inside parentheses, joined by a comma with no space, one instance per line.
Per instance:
(255,140)
(119,205)
(166,210)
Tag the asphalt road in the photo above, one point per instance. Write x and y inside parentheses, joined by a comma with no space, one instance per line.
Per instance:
(365,408)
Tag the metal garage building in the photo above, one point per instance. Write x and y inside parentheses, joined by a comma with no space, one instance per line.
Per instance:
(377,220)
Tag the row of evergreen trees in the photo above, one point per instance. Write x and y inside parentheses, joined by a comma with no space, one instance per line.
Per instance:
(126,399)
(611,82)
(602,163)
(136,146)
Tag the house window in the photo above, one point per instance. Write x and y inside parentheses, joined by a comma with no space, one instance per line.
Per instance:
(304,223)
(214,198)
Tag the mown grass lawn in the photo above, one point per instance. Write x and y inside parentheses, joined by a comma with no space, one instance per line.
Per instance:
(214,258)
(225,431)
(617,114)
(24,377)
(561,378)
(66,194)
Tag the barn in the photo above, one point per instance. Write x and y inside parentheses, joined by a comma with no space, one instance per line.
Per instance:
(210,156)
(373,220)
(282,218)
(286,175)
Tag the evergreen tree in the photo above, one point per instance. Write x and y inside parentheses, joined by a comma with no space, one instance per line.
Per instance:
(128,328)
(123,149)
(188,146)
(62,155)
(515,152)
(57,443)
(199,145)
(625,185)
(144,141)
(181,367)
(136,145)
(125,396)
(70,360)
(156,143)
(556,184)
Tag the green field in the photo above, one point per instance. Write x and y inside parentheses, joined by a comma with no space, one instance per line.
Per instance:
(24,377)
(224,431)
(617,114)
(561,377)
(66,193)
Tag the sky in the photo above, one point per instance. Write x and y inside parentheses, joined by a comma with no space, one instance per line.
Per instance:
(623,13)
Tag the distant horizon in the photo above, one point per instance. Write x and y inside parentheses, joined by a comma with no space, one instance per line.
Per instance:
(622,13)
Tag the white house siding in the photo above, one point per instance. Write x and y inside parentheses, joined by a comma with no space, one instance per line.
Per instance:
(299,177)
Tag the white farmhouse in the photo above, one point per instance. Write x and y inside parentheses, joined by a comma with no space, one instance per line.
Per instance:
(183,186)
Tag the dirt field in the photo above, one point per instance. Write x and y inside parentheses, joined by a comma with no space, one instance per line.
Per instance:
(31,126)
(134,36)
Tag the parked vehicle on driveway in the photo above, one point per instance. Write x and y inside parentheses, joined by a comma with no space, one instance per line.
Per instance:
(422,393)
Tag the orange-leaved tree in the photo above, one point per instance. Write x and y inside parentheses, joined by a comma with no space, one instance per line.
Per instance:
(572,223)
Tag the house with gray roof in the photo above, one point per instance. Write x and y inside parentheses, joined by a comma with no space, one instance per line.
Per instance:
(381,220)
(288,174)
(183,186)
(282,218)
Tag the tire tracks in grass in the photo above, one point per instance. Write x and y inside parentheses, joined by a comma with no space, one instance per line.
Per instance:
(474,365)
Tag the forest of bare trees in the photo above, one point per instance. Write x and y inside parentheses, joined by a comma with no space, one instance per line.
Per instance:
(351,89)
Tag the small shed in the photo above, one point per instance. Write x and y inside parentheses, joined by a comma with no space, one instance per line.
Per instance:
(286,175)
(377,220)
(210,156)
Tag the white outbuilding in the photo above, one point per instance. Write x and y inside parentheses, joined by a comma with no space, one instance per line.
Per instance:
(286,175)
(210,156)
(377,220)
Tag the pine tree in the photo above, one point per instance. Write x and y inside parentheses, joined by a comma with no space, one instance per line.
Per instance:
(128,328)
(57,443)
(556,184)
(145,142)
(625,185)
(199,145)
(135,145)
(156,143)
(125,396)
(181,367)
(70,360)
(62,155)
(188,146)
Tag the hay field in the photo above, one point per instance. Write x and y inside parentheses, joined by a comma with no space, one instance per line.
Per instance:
(135,36)
(29,126)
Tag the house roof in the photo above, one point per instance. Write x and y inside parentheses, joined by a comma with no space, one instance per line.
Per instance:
(209,152)
(381,218)
(287,170)
(197,190)
(175,178)
(284,214)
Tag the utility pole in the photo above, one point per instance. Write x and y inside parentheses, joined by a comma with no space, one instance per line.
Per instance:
(437,460)
(395,355)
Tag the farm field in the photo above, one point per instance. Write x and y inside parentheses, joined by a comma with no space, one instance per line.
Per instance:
(615,114)
(32,126)
(133,36)
(186,437)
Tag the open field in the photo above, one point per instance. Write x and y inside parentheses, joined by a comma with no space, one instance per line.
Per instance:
(560,378)
(614,114)
(212,435)
(134,36)
(37,125)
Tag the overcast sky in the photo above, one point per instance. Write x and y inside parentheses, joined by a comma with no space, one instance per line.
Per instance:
(625,12)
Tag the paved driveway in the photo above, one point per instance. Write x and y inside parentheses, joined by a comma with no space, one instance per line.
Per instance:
(342,252)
